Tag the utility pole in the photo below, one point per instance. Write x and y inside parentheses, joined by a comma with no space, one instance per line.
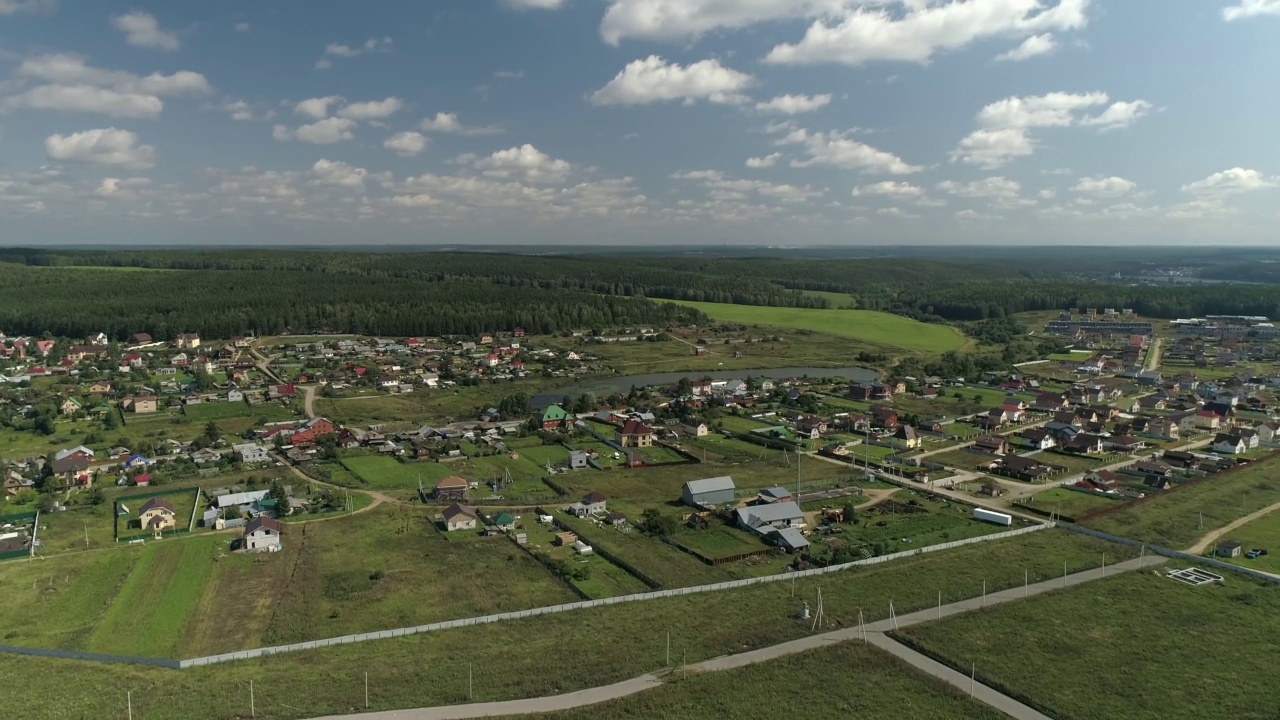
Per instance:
(129,699)
(1064,573)
(253,711)
(939,604)
(984,593)
(366,689)
(470,686)
(1026,583)
(668,648)
(973,675)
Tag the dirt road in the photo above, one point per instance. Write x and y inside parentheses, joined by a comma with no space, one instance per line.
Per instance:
(1211,537)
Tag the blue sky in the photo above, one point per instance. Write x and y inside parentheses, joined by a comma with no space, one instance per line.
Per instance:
(774,122)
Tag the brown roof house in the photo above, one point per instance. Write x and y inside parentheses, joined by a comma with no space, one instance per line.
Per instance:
(261,534)
(635,434)
(451,488)
(156,515)
(459,517)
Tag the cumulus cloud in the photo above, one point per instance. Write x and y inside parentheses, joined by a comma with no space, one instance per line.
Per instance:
(1233,181)
(1005,125)
(372,110)
(919,30)
(327,172)
(525,162)
(237,109)
(898,213)
(534,4)
(1251,8)
(449,123)
(888,188)
(338,50)
(316,108)
(1104,187)
(653,79)
(723,188)
(72,85)
(841,150)
(27,7)
(794,104)
(687,19)
(121,188)
(406,144)
(143,30)
(321,132)
(992,187)
(1034,46)
(767,161)
(104,146)
(242,27)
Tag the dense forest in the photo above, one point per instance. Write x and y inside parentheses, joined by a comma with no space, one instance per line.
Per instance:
(234,291)
(75,302)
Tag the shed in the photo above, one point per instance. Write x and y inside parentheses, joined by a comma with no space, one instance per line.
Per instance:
(1228,549)
(789,539)
(709,491)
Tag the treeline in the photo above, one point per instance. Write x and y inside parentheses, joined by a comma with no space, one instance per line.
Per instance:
(76,302)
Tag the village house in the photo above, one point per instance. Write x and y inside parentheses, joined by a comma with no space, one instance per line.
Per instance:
(451,488)
(907,436)
(578,460)
(708,492)
(1229,444)
(554,418)
(695,430)
(884,416)
(994,444)
(635,434)
(870,391)
(1164,428)
(311,431)
(1024,468)
(251,453)
(763,519)
(458,517)
(1038,438)
(157,514)
(139,339)
(140,404)
(261,534)
(70,407)
(188,341)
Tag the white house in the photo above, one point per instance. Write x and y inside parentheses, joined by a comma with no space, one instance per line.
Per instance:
(251,453)
(1229,444)
(261,534)
(234,394)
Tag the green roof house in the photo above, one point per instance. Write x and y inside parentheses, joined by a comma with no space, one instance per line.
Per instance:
(554,418)
(505,521)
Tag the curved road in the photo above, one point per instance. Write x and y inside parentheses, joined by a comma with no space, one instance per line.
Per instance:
(1211,537)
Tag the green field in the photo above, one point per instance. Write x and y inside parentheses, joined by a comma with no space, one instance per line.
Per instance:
(1177,518)
(719,541)
(874,327)
(1069,503)
(1262,533)
(207,411)
(381,472)
(148,615)
(58,604)
(527,658)
(1140,647)
(604,579)
(876,686)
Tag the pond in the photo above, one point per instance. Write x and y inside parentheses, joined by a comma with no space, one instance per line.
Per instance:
(601,386)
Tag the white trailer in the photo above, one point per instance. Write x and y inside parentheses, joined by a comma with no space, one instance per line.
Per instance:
(992,516)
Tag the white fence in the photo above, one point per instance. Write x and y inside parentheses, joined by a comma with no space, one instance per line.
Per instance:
(586,604)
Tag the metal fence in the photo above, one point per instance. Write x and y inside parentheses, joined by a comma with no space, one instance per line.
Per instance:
(94,657)
(1175,554)
(587,604)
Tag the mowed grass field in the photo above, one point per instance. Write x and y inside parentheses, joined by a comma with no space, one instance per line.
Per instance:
(873,686)
(529,658)
(58,604)
(149,614)
(875,327)
(1138,646)
(1173,518)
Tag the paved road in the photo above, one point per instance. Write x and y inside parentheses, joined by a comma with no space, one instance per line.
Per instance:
(871,632)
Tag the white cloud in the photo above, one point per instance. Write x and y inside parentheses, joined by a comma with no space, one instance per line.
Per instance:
(420,200)
(888,188)
(1104,187)
(1251,8)
(86,98)
(107,146)
(524,162)
(449,123)
(794,104)
(653,79)
(372,110)
(921,29)
(1235,180)
(534,4)
(316,108)
(75,86)
(993,187)
(406,144)
(19,7)
(1005,125)
(321,132)
(840,150)
(897,212)
(143,30)
(242,27)
(238,110)
(341,174)
(1119,115)
(338,50)
(767,161)
(974,216)
(687,19)
(726,189)
(1034,46)
(509,74)
(118,188)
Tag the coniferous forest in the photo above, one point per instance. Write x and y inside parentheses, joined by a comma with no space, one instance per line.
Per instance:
(229,292)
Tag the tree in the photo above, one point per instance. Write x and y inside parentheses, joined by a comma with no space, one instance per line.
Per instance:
(281,497)
(212,432)
(654,522)
(111,420)
(850,513)
(95,496)
(684,386)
